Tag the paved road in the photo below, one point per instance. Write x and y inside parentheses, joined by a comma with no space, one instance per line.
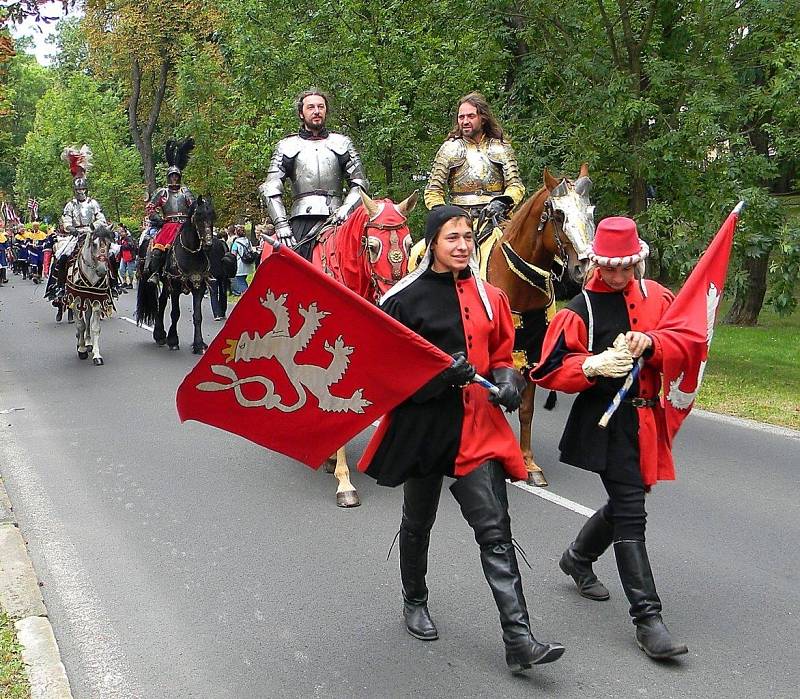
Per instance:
(181,561)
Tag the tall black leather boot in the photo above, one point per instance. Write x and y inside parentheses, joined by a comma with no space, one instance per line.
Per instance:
(592,541)
(484,504)
(420,502)
(652,635)
(156,263)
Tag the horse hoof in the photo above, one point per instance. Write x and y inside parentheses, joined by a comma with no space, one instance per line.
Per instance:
(174,348)
(537,479)
(83,355)
(329,465)
(98,361)
(347,499)
(161,343)
(198,350)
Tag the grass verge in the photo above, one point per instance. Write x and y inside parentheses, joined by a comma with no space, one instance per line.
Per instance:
(755,372)
(13,680)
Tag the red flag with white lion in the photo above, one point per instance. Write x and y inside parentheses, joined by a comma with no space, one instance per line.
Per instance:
(303,364)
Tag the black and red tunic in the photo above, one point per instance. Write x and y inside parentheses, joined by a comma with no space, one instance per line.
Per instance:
(459,429)
(634,444)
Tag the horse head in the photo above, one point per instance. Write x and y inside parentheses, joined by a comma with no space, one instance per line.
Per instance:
(94,254)
(569,207)
(202,216)
(386,241)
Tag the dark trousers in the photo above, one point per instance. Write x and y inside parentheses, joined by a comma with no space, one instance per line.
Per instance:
(625,509)
(301,226)
(218,290)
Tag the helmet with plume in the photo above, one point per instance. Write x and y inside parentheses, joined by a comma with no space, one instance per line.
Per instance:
(177,153)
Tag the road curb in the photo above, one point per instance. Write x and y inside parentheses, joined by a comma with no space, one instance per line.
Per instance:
(21,599)
(748,423)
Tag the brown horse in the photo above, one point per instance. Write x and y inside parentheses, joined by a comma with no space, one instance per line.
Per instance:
(368,253)
(550,232)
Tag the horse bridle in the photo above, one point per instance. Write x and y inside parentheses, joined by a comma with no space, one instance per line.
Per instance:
(548,214)
(395,254)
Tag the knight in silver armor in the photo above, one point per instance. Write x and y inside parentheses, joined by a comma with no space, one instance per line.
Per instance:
(81,215)
(476,165)
(325,173)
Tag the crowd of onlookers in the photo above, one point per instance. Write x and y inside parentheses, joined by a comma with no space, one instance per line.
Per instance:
(27,251)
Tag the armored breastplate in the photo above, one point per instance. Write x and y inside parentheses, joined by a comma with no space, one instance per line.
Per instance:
(477,179)
(176,206)
(318,179)
(83,213)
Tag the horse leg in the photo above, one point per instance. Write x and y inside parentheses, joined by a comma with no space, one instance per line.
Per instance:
(535,474)
(94,326)
(80,333)
(346,495)
(159,334)
(174,315)
(198,346)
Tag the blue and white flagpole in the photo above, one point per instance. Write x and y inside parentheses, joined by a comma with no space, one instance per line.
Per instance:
(623,391)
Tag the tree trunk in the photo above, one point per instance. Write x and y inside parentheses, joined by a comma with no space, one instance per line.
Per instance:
(143,137)
(748,302)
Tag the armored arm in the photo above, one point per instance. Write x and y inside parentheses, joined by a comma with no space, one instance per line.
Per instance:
(153,205)
(356,179)
(99,216)
(513,182)
(271,191)
(67,219)
(446,158)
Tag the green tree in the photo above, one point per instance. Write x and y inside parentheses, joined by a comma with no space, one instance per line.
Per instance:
(73,113)
(25,82)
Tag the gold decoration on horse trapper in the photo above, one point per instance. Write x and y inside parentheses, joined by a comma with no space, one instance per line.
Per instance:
(280,345)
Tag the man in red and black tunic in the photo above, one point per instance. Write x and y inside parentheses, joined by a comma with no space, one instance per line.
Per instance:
(589,349)
(454,428)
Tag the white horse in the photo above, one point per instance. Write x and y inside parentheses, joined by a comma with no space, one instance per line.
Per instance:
(89,291)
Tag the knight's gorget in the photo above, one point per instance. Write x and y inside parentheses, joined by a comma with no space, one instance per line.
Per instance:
(474,173)
(325,173)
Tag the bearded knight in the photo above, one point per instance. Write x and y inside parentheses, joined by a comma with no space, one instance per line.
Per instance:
(325,172)
(477,165)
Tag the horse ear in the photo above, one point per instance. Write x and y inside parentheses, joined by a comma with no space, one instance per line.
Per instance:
(369,205)
(584,170)
(406,206)
(549,181)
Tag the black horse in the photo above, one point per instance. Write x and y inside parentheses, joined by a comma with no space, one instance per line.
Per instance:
(186,270)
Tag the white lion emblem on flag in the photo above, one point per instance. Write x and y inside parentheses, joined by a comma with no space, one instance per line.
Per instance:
(279,344)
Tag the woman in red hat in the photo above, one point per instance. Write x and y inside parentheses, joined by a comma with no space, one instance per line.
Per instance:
(589,349)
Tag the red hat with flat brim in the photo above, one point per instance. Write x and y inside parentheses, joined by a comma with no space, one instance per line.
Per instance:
(617,243)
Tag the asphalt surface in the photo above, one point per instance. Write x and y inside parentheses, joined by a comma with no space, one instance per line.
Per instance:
(182,561)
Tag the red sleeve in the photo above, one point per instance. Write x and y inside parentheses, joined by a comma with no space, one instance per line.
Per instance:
(563,353)
(502,344)
(665,299)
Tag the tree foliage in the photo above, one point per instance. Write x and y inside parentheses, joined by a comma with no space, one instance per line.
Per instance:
(681,107)
(73,113)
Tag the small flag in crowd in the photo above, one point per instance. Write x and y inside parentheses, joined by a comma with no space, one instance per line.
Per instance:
(33,208)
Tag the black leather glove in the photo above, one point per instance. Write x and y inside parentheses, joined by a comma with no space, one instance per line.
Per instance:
(460,373)
(496,208)
(511,385)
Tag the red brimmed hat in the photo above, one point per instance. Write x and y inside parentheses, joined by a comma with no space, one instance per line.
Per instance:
(617,243)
